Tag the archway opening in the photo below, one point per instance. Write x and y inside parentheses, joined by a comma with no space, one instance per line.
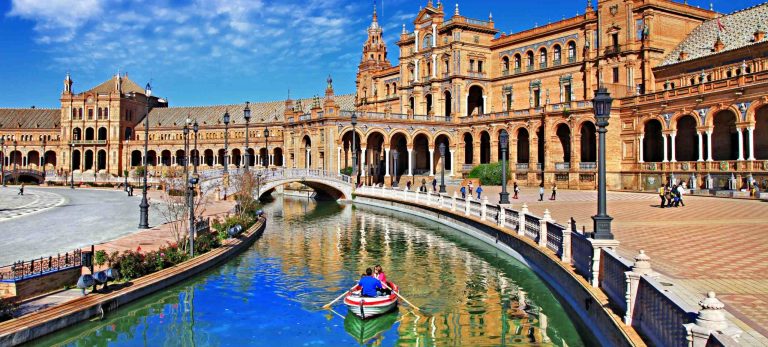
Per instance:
(346,142)
(179,157)
(653,142)
(447,106)
(475,101)
(429,103)
(306,150)
(89,134)
(375,160)
(263,157)
(208,157)
(421,155)
(399,152)
(725,145)
(564,135)
(468,149)
(278,157)
(88,159)
(237,157)
(485,147)
(101,159)
(761,133)
(33,158)
(523,146)
(165,156)
(686,140)
(50,158)
(76,160)
(588,143)
(438,159)
(102,134)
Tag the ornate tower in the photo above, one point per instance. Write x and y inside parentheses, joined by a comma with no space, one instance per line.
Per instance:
(374,59)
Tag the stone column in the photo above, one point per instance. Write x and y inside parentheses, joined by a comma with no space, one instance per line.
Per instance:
(431,161)
(416,41)
(543,228)
(410,161)
(640,160)
(306,159)
(664,136)
(673,135)
(741,143)
(434,65)
(415,75)
(485,108)
(751,136)
(434,35)
(709,145)
(338,162)
(453,162)
(363,169)
(521,220)
(386,160)
(701,146)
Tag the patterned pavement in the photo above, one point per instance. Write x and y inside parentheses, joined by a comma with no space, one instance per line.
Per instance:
(710,244)
(13,205)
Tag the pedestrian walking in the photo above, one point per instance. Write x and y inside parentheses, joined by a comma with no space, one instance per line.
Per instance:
(130,190)
(516,189)
(471,191)
(541,192)
(479,191)
(662,196)
(423,187)
(554,192)
(680,191)
(434,184)
(668,196)
(463,191)
(21,190)
(408,185)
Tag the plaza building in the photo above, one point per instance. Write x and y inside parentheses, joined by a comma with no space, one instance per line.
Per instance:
(689,86)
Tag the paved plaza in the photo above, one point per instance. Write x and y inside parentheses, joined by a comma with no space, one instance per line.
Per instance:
(711,244)
(46,221)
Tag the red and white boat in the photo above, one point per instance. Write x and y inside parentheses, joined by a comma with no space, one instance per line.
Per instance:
(367,307)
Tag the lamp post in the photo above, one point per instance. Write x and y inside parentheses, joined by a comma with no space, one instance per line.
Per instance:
(144,205)
(72,165)
(504,139)
(226,142)
(192,227)
(266,147)
(258,185)
(13,157)
(394,180)
(195,128)
(442,169)
(2,161)
(185,159)
(42,161)
(602,107)
(354,147)
(127,165)
(247,116)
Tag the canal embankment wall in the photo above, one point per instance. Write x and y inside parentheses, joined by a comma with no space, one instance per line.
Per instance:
(46,321)
(618,300)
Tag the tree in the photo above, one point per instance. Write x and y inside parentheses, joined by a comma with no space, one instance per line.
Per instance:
(174,209)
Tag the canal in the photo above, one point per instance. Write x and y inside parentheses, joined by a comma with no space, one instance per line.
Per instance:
(469,293)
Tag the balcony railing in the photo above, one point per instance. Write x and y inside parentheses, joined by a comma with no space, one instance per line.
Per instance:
(539,166)
(565,166)
(521,166)
(529,68)
(517,70)
(610,50)
(587,166)
(505,72)
(543,65)
(89,142)
(556,62)
(571,60)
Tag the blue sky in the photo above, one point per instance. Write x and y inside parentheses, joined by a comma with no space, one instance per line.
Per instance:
(207,52)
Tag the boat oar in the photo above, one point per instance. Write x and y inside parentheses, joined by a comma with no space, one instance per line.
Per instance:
(401,297)
(339,297)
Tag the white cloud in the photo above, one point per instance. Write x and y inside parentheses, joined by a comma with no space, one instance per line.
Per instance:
(59,19)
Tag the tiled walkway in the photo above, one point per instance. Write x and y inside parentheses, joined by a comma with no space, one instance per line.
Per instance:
(711,244)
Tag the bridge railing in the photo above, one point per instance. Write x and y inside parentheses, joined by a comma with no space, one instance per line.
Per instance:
(632,289)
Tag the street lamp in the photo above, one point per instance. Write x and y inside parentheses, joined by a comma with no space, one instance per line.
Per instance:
(442,170)
(247,116)
(395,155)
(504,139)
(226,143)
(125,171)
(602,107)
(266,147)
(42,162)
(195,128)
(185,159)
(72,165)
(192,227)
(13,157)
(144,205)
(258,185)
(354,147)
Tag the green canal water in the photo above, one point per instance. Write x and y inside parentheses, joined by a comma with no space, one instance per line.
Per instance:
(470,294)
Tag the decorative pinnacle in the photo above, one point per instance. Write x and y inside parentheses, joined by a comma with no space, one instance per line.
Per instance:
(404,29)
(711,302)
(456,11)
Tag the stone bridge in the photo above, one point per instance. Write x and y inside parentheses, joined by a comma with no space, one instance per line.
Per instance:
(24,175)
(328,185)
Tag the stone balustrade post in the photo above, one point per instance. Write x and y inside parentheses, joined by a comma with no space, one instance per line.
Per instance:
(405,192)
(597,251)
(484,208)
(453,201)
(641,267)
(502,216)
(710,320)
(543,228)
(565,255)
(467,206)
(521,222)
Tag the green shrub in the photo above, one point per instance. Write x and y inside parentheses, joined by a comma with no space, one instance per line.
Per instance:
(488,174)
(206,242)
(347,171)
(131,265)
(100,258)
(138,171)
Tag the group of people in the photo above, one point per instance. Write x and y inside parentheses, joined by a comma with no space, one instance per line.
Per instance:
(373,283)
(464,189)
(541,192)
(671,195)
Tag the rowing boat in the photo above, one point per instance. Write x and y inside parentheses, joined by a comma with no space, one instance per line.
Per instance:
(367,307)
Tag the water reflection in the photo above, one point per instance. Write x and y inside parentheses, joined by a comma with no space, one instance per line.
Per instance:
(469,293)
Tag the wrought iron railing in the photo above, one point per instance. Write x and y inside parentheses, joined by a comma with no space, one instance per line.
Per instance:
(36,267)
(532,227)
(555,238)
(587,166)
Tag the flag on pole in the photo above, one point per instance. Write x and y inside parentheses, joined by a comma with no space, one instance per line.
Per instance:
(720,25)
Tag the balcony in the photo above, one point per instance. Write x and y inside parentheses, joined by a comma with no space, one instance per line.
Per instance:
(564,166)
(529,68)
(505,72)
(571,60)
(543,65)
(556,62)
(521,166)
(588,166)
(88,142)
(517,70)
(612,50)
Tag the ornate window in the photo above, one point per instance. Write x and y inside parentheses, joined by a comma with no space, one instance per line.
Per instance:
(427,41)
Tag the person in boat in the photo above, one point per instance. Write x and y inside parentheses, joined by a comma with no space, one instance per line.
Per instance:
(378,272)
(369,285)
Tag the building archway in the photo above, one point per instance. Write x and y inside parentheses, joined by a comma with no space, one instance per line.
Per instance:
(375,157)
(725,145)
(222,156)
(165,157)
(151,158)
(761,134)
(588,143)
(237,156)
(306,150)
(469,148)
(428,99)
(208,157)
(89,134)
(475,101)
(50,158)
(399,152)
(251,157)
(485,147)
(76,160)
(102,134)
(180,157)
(442,139)
(277,158)
(686,140)
(421,155)
(77,134)
(523,146)
(33,157)
(263,157)
(346,144)
(88,159)
(101,160)
(653,142)
(563,133)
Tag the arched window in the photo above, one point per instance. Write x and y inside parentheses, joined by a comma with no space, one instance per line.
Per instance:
(571,52)
(427,42)
(529,55)
(542,58)
(106,113)
(556,55)
(505,65)
(518,64)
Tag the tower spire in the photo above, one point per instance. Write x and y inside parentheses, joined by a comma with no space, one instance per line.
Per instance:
(375,17)
(456,11)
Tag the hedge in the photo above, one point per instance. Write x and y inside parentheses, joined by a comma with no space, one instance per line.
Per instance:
(489,174)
